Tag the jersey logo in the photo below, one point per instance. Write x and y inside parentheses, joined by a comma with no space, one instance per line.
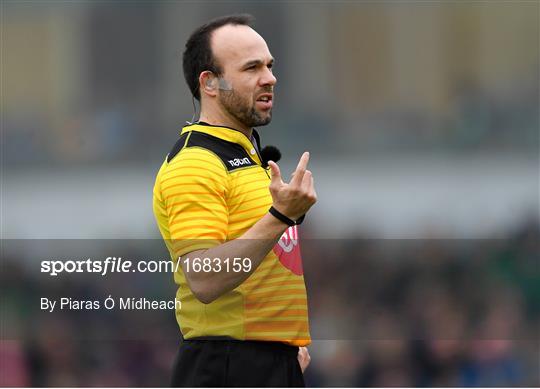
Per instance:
(287,250)
(239,161)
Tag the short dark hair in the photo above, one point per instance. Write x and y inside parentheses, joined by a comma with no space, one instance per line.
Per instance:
(198,55)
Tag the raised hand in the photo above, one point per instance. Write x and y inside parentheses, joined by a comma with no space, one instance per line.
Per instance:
(298,196)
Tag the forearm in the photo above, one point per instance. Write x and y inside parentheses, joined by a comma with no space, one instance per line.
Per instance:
(254,244)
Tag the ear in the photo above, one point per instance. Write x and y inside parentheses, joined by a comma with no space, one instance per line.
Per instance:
(208,83)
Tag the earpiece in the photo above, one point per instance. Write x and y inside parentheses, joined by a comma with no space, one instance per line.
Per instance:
(213,82)
(210,83)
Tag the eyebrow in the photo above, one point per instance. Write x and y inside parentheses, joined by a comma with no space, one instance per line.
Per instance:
(257,62)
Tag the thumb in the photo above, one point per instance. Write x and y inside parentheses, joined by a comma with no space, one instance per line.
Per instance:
(276,174)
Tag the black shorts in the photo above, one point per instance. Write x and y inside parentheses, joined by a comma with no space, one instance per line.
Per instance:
(223,362)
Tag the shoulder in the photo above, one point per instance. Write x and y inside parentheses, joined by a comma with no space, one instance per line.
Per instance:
(190,163)
(190,153)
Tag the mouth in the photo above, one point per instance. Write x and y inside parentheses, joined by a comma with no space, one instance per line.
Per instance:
(264,101)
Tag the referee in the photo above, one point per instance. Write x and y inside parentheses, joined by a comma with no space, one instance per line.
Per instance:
(231,221)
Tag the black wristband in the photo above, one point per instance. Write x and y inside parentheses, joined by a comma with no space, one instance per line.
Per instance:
(278,215)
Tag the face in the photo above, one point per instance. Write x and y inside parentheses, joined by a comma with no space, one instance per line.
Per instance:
(246,85)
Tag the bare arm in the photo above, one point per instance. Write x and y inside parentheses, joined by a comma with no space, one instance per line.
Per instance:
(293,200)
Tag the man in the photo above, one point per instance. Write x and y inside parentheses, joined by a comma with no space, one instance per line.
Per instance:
(231,221)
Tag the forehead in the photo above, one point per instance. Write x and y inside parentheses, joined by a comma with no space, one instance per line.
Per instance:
(235,45)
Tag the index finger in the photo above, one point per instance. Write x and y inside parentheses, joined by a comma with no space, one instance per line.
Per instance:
(298,174)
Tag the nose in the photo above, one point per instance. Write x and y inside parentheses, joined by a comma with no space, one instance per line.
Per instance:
(268,78)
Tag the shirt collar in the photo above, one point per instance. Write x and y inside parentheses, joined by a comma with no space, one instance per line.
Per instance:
(228,134)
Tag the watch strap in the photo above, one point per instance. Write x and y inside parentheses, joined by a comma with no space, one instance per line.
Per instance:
(278,215)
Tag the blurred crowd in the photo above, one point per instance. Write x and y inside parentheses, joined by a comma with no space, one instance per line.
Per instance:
(382,313)
(426,313)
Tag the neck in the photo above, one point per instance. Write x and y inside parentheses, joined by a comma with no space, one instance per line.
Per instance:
(220,118)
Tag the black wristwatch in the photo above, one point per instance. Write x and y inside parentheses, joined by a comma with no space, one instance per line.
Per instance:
(290,222)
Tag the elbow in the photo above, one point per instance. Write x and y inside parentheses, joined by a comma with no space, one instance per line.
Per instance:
(203,293)
(204,298)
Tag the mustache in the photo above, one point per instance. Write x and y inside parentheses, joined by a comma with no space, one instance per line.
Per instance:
(265,90)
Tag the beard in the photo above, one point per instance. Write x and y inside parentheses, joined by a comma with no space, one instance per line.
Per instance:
(242,109)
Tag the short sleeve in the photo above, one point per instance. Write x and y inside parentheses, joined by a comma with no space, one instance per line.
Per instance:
(193,192)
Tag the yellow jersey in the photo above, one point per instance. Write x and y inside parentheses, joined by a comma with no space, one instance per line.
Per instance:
(212,188)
